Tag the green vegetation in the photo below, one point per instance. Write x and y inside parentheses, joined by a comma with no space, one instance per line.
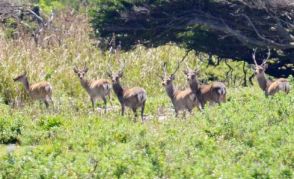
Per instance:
(249,136)
(229,29)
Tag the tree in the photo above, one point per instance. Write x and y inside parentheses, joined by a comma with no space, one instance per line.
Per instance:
(226,28)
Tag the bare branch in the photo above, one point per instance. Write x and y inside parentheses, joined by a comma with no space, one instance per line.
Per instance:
(179,62)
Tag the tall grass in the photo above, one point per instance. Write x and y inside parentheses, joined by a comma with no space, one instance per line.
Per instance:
(250,136)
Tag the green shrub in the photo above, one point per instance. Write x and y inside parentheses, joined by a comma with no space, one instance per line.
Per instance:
(48,122)
(10,130)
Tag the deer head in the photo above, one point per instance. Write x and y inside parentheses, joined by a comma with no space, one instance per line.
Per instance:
(21,77)
(115,77)
(81,72)
(191,74)
(166,80)
(260,69)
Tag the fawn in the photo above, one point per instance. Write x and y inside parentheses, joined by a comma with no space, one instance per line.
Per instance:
(38,91)
(133,98)
(95,88)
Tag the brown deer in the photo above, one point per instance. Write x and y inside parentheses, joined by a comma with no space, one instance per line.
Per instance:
(212,93)
(38,91)
(269,87)
(182,100)
(95,88)
(133,98)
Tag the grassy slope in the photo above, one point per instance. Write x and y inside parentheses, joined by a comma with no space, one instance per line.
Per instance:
(249,136)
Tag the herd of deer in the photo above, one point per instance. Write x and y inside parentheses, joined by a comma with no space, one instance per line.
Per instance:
(197,95)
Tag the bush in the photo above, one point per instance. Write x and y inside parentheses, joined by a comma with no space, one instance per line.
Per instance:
(10,130)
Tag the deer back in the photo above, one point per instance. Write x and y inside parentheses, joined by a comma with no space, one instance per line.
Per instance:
(185,99)
(134,97)
(214,92)
(99,87)
(218,91)
(40,90)
(280,84)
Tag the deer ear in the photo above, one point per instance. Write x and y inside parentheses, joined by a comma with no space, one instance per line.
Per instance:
(172,77)
(86,69)
(75,70)
(109,74)
(120,74)
(197,71)
(159,76)
(252,66)
(185,72)
(265,66)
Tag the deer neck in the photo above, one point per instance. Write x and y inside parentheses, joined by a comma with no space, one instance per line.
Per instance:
(195,86)
(170,90)
(26,84)
(119,91)
(85,84)
(263,82)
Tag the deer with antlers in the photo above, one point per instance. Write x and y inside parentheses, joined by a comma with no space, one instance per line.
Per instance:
(38,91)
(182,100)
(269,87)
(133,98)
(213,93)
(95,88)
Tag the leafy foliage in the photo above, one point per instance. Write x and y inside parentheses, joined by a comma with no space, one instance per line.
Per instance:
(10,129)
(228,29)
(218,142)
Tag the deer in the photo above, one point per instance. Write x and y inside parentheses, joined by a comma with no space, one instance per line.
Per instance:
(182,100)
(133,98)
(95,88)
(269,87)
(206,93)
(39,91)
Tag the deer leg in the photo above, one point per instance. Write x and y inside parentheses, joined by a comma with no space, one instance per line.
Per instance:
(218,101)
(177,112)
(190,111)
(46,103)
(109,96)
(52,101)
(49,99)
(224,99)
(105,103)
(93,103)
(184,114)
(122,109)
(135,113)
(201,108)
(142,111)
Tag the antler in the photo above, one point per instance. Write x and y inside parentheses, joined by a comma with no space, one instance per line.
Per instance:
(268,56)
(117,51)
(85,68)
(112,44)
(179,63)
(197,68)
(187,67)
(109,70)
(253,56)
(122,66)
(164,69)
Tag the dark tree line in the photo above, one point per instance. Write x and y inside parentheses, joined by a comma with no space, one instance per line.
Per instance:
(226,28)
